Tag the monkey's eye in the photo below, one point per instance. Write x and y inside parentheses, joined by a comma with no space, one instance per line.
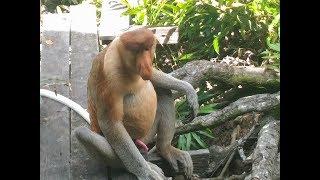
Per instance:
(146,49)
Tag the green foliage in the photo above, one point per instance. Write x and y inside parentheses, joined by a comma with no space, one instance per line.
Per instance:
(197,139)
(158,13)
(272,54)
(98,4)
(267,12)
(58,5)
(183,109)
(212,28)
(194,140)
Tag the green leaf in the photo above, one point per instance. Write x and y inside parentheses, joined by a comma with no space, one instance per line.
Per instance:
(266,52)
(182,142)
(195,145)
(186,56)
(203,97)
(174,8)
(276,56)
(275,47)
(133,11)
(199,140)
(188,143)
(229,2)
(216,44)
(206,109)
(206,134)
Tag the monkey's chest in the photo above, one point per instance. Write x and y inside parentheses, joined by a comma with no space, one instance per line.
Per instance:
(139,111)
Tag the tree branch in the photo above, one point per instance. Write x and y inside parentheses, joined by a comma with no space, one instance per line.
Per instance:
(259,103)
(265,153)
(195,72)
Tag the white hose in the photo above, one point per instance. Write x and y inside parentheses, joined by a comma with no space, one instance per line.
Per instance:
(66,101)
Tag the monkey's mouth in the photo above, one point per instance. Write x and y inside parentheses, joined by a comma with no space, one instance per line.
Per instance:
(145,77)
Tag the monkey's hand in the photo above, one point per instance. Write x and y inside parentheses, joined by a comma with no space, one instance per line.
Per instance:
(174,155)
(166,81)
(192,98)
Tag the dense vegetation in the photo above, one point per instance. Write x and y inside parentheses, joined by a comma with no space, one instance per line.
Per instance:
(212,29)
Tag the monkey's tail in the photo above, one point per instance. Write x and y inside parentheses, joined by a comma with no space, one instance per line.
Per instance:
(66,101)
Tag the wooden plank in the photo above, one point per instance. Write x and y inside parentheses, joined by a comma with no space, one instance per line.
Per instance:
(166,35)
(112,22)
(54,117)
(120,174)
(84,47)
(55,48)
(200,158)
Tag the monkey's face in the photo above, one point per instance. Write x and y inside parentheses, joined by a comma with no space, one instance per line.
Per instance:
(144,60)
(141,43)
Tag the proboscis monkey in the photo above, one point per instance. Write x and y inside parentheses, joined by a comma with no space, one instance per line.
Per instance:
(124,106)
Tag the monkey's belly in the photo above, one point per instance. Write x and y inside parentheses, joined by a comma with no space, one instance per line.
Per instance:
(139,111)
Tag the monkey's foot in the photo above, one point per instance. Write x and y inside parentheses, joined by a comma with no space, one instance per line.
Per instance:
(174,155)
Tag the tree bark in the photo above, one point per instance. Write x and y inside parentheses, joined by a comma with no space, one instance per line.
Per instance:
(266,151)
(195,72)
(259,103)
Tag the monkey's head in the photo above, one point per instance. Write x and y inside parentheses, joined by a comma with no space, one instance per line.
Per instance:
(141,44)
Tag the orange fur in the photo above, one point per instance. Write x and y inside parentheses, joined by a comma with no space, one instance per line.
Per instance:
(117,83)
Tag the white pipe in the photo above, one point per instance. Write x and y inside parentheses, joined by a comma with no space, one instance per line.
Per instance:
(66,101)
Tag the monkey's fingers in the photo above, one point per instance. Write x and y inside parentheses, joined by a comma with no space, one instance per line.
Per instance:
(155,167)
(184,159)
(187,165)
(157,172)
(174,163)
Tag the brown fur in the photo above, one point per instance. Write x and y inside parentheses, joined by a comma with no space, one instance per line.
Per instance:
(117,83)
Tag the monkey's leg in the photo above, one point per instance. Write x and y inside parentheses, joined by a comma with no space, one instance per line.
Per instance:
(98,147)
(165,132)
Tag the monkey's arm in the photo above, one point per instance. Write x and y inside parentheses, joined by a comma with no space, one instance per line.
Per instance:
(166,81)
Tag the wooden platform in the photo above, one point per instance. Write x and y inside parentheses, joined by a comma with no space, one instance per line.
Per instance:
(69,44)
